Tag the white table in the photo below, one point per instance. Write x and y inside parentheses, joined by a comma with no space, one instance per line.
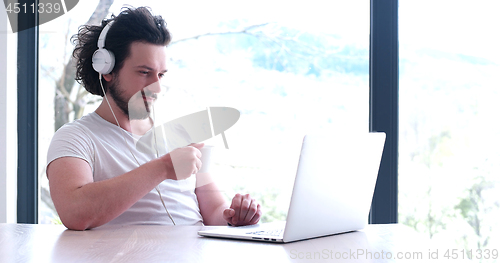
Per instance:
(148,243)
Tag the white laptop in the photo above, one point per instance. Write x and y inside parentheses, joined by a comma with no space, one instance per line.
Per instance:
(332,192)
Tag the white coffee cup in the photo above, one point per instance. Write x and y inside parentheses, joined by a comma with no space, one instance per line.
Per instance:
(206,158)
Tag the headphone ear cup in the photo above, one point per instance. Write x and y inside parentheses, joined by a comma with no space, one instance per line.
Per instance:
(103,61)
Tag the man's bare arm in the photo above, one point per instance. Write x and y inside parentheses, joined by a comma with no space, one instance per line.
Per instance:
(82,203)
(210,200)
(243,210)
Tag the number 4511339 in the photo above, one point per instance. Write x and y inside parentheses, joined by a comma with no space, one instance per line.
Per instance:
(40,8)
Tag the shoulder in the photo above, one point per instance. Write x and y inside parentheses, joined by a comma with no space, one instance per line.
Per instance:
(73,139)
(72,132)
(82,128)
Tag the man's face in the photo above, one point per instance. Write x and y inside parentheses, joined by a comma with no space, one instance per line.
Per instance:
(134,88)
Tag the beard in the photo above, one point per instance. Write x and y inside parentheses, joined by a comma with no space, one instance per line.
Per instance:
(140,112)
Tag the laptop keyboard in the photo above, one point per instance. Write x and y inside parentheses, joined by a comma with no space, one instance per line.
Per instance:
(271,232)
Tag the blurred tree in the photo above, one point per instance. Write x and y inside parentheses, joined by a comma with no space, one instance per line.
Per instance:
(273,47)
(63,103)
(474,208)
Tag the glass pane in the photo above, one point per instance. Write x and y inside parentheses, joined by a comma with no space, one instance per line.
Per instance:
(449,146)
(57,105)
(288,68)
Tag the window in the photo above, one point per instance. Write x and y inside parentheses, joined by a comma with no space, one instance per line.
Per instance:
(60,98)
(302,69)
(449,150)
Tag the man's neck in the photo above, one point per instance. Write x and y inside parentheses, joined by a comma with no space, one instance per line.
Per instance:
(138,127)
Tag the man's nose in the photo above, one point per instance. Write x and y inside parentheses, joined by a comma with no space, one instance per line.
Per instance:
(154,87)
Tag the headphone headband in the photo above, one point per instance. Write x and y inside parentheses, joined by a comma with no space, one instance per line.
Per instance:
(102,36)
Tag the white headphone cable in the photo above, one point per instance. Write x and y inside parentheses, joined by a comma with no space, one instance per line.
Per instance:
(128,146)
(157,156)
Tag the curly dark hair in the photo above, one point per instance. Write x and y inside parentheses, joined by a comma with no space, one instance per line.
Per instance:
(131,25)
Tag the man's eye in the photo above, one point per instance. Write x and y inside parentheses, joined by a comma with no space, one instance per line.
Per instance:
(144,72)
(161,75)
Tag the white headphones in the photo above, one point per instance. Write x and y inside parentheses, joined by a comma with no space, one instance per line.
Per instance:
(103,60)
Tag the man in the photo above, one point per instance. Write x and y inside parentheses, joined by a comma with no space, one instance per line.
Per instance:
(96,174)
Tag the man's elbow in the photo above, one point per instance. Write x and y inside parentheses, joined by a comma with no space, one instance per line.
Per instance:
(76,223)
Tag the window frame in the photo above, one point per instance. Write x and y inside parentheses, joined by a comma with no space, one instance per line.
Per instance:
(27,119)
(384,105)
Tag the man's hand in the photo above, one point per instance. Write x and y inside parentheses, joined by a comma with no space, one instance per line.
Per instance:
(243,211)
(184,162)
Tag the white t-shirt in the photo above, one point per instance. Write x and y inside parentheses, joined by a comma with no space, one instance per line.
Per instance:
(102,145)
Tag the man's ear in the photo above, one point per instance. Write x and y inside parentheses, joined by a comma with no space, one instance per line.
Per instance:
(108,77)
